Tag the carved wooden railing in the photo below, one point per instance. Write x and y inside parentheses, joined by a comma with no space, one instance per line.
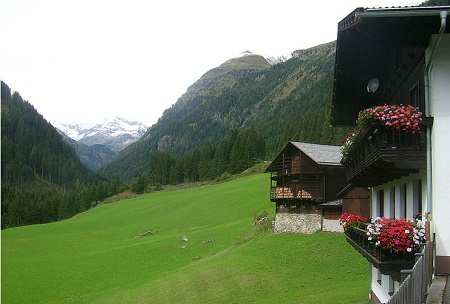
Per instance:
(380,154)
(390,263)
(311,190)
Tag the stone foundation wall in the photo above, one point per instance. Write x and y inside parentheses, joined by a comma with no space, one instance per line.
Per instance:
(297,222)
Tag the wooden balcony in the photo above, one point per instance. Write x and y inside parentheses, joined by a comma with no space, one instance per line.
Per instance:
(297,187)
(297,192)
(388,263)
(379,155)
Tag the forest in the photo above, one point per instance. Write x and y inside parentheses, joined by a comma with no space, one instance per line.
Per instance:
(42,178)
(236,152)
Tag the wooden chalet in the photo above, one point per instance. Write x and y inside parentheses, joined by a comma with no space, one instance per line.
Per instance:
(398,56)
(302,176)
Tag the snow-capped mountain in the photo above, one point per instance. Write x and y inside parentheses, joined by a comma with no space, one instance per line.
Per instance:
(270,59)
(278,59)
(73,131)
(116,133)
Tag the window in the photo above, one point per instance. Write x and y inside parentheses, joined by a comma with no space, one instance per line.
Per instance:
(380,202)
(392,202)
(402,201)
(417,196)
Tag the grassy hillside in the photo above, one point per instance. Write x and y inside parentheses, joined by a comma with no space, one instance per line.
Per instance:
(97,256)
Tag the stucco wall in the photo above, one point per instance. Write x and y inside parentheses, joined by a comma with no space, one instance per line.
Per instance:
(297,222)
(440,110)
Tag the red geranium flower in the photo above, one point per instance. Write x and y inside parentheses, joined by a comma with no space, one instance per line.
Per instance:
(348,220)
(396,235)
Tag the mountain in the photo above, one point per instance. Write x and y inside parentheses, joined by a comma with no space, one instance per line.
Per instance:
(32,147)
(39,169)
(278,59)
(97,145)
(290,100)
(93,156)
(116,133)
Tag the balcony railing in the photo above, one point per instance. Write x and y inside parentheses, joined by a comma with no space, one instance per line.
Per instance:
(296,192)
(388,263)
(417,280)
(380,154)
(303,187)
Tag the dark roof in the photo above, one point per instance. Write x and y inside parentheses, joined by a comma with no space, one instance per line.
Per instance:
(321,154)
(355,17)
(369,43)
(335,203)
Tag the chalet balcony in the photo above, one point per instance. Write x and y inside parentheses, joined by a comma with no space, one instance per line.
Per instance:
(297,187)
(296,191)
(379,155)
(388,263)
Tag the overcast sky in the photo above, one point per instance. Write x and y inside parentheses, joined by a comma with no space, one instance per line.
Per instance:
(81,61)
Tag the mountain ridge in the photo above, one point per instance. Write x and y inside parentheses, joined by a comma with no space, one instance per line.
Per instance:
(240,93)
(115,132)
(97,145)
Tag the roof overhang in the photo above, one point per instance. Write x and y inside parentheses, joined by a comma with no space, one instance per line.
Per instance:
(332,204)
(368,46)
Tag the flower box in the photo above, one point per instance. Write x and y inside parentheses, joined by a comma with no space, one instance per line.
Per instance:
(389,263)
(388,244)
(383,150)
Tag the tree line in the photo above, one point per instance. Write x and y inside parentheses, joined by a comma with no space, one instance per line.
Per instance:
(47,203)
(236,152)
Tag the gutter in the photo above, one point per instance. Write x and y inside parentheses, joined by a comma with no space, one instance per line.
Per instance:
(406,12)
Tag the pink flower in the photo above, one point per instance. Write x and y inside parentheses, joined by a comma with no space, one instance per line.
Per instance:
(397,117)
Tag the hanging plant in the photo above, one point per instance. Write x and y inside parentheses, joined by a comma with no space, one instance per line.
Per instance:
(396,117)
(348,220)
(396,235)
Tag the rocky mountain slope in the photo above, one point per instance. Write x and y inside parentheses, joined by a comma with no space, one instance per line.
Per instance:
(245,91)
(93,156)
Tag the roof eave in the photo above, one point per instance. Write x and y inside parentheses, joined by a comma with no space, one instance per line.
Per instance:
(365,38)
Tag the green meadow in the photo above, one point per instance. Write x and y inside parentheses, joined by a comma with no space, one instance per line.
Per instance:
(100,256)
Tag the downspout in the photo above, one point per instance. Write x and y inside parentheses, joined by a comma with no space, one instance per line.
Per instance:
(443,16)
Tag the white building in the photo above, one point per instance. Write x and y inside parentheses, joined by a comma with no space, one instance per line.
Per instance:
(398,56)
